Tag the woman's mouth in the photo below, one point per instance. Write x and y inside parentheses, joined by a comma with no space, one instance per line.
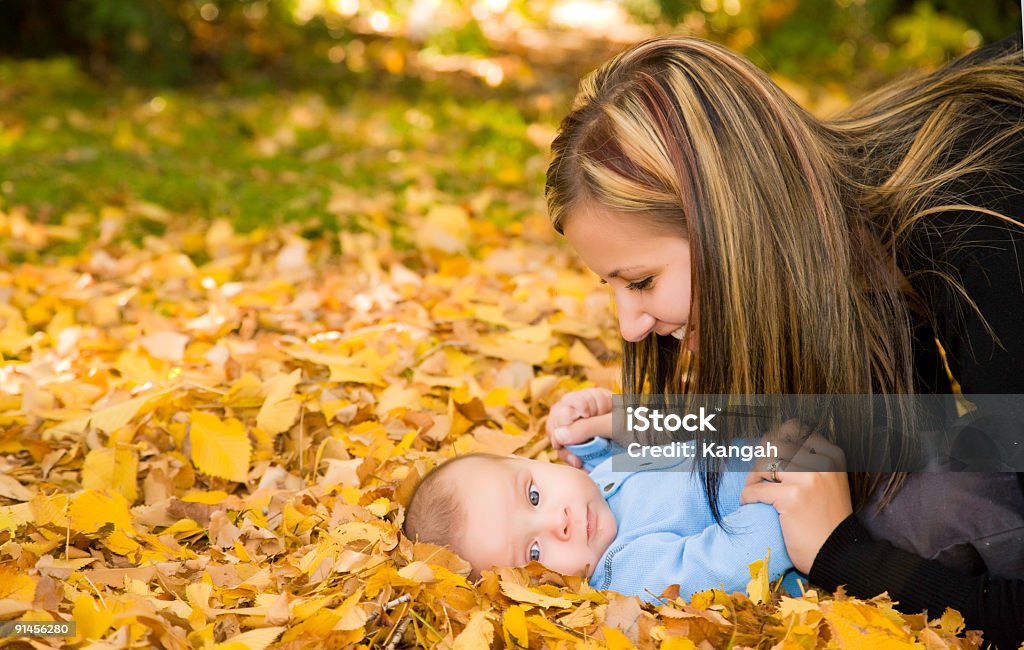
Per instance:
(679,333)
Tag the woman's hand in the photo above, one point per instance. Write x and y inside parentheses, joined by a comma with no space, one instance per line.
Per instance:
(812,495)
(579,416)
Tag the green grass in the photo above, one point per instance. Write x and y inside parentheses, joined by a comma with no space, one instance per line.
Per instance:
(327,155)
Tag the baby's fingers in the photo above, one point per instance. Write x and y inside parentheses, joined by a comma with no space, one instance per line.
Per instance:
(570,458)
(577,404)
(564,412)
(582,430)
(597,401)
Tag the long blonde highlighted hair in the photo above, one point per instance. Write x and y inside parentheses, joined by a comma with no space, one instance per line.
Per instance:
(795,224)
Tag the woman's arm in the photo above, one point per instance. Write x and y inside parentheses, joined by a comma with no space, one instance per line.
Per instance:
(828,542)
(867,567)
(811,506)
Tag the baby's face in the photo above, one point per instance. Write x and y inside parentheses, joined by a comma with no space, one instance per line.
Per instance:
(518,510)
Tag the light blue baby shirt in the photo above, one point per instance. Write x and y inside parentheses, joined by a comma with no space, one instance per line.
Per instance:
(666,534)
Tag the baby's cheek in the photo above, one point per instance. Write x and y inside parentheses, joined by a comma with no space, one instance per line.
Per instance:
(570,561)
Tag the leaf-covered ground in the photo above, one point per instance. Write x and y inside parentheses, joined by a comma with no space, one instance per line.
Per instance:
(207,433)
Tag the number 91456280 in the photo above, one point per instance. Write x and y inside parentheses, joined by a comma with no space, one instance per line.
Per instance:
(36,628)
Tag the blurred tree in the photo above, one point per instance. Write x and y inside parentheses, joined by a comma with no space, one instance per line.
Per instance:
(144,36)
(155,41)
(27,29)
(180,41)
(994,19)
(816,40)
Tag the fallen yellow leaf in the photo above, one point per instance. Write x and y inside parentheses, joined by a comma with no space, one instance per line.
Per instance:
(514,627)
(281,408)
(257,639)
(478,635)
(92,509)
(220,447)
(112,469)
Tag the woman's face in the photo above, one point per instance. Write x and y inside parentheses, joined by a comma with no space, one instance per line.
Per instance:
(648,271)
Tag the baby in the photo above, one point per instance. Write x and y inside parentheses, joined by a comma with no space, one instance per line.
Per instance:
(632,532)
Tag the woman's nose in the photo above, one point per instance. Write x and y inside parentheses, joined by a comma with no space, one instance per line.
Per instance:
(634,324)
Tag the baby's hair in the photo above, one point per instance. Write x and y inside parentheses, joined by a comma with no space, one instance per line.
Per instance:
(434,514)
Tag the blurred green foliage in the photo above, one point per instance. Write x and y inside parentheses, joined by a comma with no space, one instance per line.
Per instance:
(340,157)
(351,114)
(183,41)
(858,40)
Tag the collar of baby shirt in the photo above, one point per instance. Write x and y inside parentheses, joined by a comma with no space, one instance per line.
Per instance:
(613,471)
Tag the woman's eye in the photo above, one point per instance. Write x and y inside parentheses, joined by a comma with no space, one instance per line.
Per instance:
(535,552)
(640,285)
(533,495)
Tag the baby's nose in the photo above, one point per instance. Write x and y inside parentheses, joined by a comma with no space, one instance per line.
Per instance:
(560,523)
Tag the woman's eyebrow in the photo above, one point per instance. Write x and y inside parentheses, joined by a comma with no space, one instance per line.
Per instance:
(618,272)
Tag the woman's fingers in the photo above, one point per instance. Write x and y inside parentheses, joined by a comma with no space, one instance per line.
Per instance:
(787,438)
(813,457)
(809,459)
(764,491)
(817,446)
(765,476)
(763,471)
(810,505)
(798,451)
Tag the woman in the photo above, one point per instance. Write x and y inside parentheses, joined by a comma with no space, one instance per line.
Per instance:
(875,253)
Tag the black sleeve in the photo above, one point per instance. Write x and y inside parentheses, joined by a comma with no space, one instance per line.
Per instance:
(868,567)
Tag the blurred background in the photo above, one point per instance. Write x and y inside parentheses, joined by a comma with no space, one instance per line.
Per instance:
(335,112)
(190,41)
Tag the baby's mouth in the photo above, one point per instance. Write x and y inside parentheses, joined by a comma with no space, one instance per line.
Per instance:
(590,524)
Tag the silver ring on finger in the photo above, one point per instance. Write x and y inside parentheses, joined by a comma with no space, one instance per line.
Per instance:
(773,472)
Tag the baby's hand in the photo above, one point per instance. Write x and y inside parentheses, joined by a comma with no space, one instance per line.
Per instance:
(579,416)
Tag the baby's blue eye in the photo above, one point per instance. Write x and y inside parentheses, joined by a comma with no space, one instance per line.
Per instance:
(534,495)
(535,552)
